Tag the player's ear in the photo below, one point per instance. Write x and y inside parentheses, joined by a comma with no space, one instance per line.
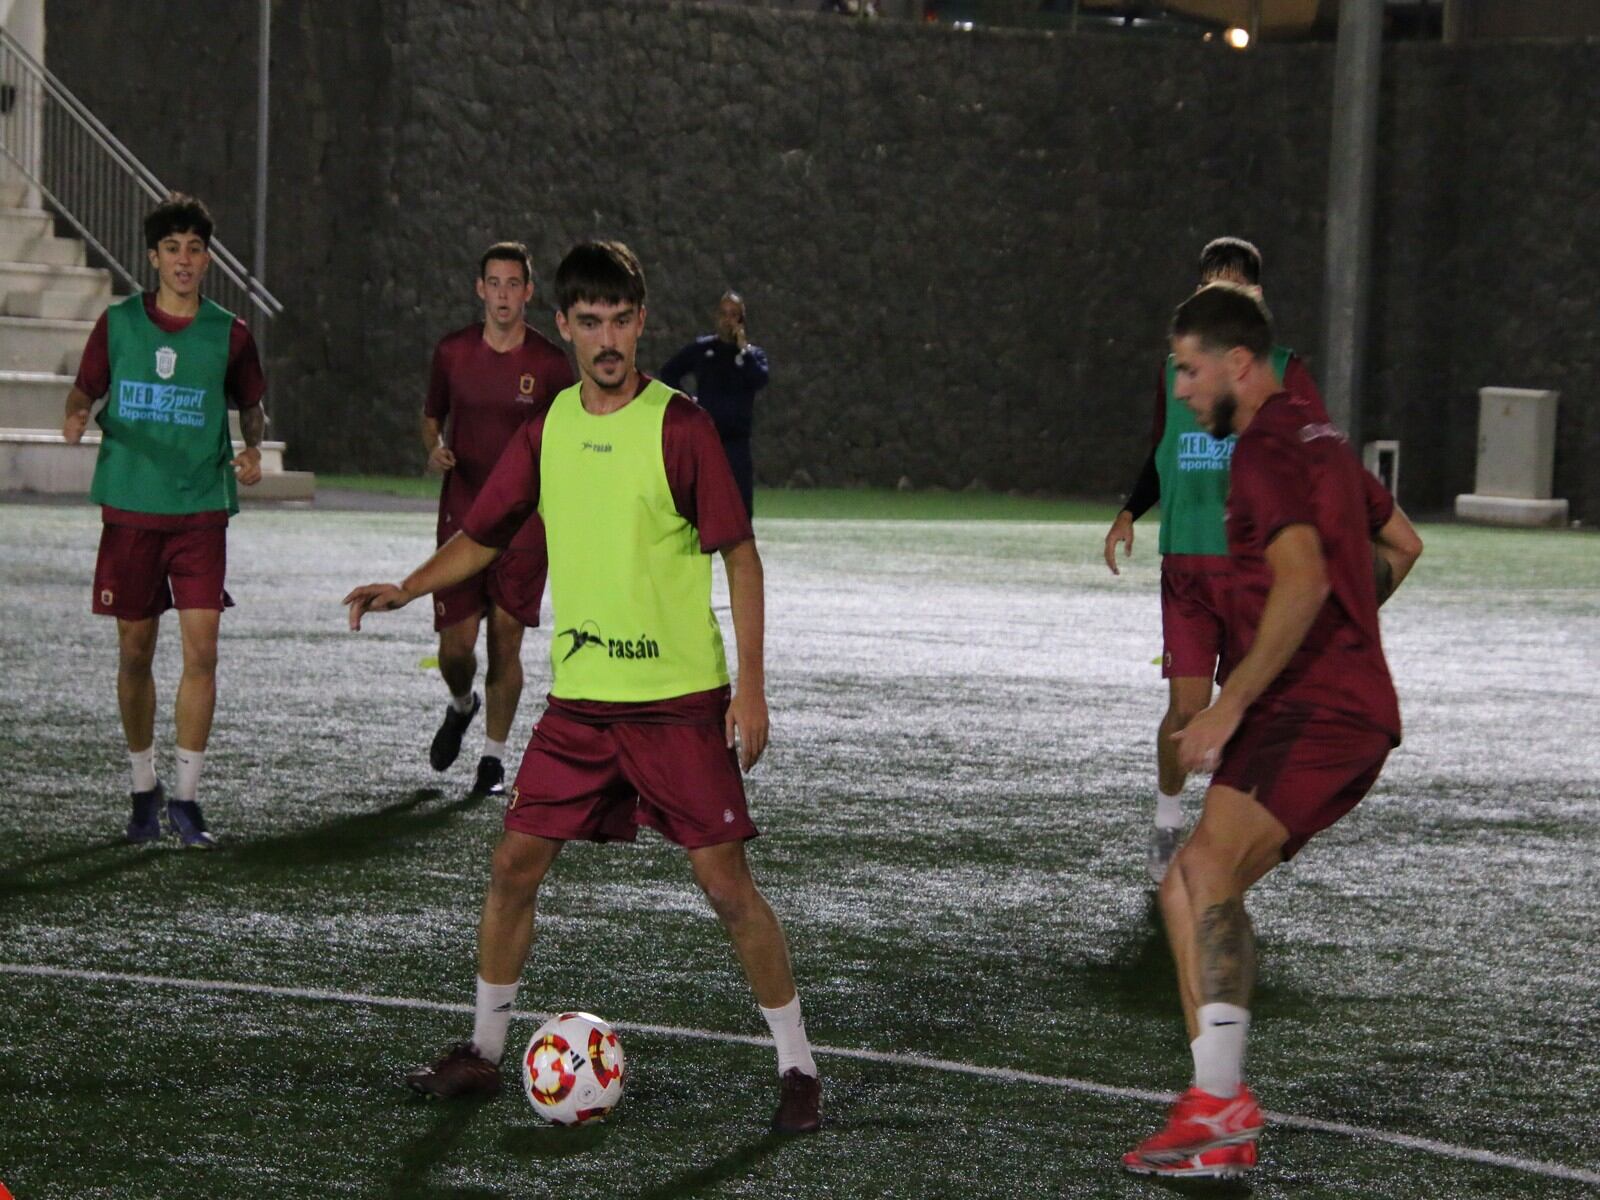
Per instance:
(562,327)
(482,295)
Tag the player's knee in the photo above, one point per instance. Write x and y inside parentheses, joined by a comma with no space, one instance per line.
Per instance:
(136,659)
(200,661)
(732,895)
(516,873)
(503,668)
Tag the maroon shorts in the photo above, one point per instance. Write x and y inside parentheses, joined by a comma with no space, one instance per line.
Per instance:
(599,783)
(1192,587)
(1306,767)
(513,582)
(140,573)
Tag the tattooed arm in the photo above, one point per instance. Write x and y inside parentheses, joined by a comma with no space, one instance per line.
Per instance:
(253,427)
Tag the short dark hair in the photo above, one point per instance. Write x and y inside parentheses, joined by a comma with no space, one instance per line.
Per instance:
(507,252)
(600,273)
(1230,256)
(1222,316)
(178,213)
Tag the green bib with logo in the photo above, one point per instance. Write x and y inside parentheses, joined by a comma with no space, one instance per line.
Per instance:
(629,585)
(1193,467)
(164,445)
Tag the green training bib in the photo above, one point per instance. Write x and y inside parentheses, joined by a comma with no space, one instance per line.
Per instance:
(164,445)
(1193,467)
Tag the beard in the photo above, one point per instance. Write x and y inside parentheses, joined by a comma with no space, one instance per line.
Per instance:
(1222,414)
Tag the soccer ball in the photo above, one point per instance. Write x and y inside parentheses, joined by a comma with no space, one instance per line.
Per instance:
(573,1069)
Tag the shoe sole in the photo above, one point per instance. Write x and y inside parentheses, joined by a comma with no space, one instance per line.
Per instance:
(1227,1171)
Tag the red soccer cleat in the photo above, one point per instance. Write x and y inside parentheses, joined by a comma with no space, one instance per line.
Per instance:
(1220,1162)
(1199,1122)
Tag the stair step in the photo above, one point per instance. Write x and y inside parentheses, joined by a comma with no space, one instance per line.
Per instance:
(53,305)
(28,235)
(49,441)
(42,344)
(33,399)
(47,277)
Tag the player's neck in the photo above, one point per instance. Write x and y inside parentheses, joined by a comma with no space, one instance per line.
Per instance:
(500,340)
(175,305)
(1250,394)
(599,400)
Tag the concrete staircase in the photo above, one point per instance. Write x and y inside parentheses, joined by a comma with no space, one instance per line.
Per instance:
(49,301)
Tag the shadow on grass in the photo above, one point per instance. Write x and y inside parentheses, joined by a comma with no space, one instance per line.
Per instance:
(414,1161)
(132,858)
(733,1165)
(347,839)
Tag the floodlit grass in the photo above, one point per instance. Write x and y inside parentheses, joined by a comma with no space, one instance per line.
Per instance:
(954,808)
(822,503)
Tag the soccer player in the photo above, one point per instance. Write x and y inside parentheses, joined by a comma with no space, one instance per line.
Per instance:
(158,374)
(1187,470)
(488,380)
(635,494)
(728,369)
(1301,726)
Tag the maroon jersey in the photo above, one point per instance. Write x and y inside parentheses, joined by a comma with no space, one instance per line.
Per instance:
(703,491)
(486,396)
(1290,467)
(244,384)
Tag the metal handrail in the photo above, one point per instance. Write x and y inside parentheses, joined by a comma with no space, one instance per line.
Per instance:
(95,183)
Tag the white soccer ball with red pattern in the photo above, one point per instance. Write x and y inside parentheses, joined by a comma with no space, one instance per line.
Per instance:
(573,1069)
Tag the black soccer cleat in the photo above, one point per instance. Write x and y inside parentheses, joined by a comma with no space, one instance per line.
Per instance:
(491,779)
(460,1072)
(145,823)
(447,742)
(799,1103)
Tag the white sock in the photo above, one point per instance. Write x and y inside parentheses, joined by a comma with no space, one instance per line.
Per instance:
(1169,809)
(492,1017)
(1219,1050)
(189,764)
(463,704)
(493,749)
(143,763)
(789,1032)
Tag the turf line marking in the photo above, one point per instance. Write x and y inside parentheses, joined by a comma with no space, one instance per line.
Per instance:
(953,1066)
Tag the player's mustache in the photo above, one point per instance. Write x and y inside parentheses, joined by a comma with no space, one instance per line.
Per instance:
(607,356)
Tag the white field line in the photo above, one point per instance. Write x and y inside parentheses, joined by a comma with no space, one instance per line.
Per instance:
(1288,1120)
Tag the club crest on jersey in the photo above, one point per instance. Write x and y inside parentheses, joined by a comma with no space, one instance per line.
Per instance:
(166,362)
(525,384)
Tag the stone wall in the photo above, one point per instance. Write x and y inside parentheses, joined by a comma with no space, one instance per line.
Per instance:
(960,249)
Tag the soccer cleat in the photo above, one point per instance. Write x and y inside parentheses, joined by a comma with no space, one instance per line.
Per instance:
(447,742)
(145,824)
(185,819)
(1164,841)
(1220,1162)
(491,779)
(1198,1122)
(799,1103)
(459,1072)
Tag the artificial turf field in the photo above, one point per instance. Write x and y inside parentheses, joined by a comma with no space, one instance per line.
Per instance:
(955,804)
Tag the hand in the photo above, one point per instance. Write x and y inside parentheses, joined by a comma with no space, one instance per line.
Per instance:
(72,428)
(375,597)
(740,339)
(1201,741)
(442,458)
(747,716)
(247,466)
(1121,531)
